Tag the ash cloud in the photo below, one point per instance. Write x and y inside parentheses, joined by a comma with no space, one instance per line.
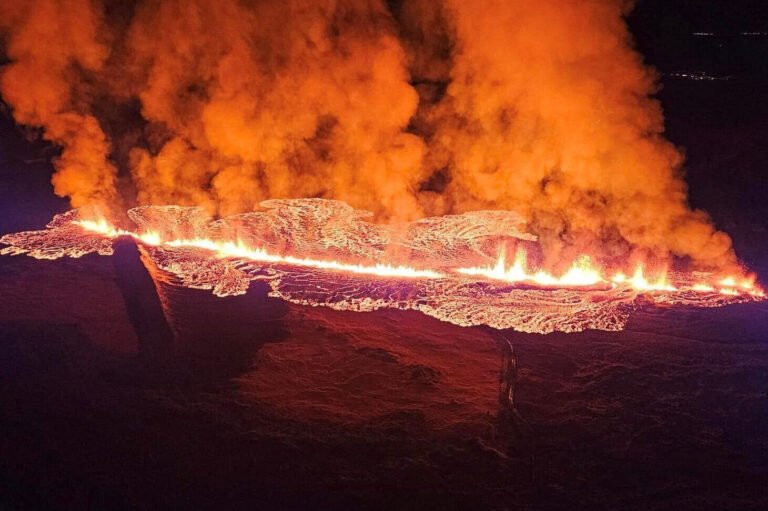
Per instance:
(405,108)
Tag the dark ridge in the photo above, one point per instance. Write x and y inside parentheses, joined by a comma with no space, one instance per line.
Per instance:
(145,311)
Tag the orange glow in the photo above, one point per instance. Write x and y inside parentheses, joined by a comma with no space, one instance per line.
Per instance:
(732,286)
(228,249)
(640,282)
(347,264)
(582,273)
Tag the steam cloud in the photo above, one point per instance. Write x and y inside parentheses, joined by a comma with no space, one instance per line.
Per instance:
(406,108)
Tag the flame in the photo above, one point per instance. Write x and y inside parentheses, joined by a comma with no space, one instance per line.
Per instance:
(638,281)
(581,273)
(584,273)
(732,286)
(101,226)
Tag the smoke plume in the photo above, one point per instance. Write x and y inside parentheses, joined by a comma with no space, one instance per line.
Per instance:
(406,108)
(56,48)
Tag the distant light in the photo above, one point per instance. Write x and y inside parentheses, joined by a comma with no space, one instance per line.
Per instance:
(697,76)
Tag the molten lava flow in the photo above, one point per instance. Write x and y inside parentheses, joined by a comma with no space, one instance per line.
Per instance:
(640,282)
(238,250)
(583,273)
(349,264)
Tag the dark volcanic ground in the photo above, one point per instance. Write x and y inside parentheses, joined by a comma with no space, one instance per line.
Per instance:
(267,405)
(262,404)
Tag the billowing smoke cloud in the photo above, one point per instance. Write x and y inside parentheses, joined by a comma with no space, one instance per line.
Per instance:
(548,111)
(276,99)
(404,108)
(55,48)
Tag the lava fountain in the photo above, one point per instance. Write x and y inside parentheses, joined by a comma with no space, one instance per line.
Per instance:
(322,253)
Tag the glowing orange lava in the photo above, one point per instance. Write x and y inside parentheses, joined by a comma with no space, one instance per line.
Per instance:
(582,273)
(238,250)
(320,252)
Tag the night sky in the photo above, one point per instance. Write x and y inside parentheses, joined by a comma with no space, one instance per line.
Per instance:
(721,119)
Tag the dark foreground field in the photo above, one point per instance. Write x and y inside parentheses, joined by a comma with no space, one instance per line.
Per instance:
(265,405)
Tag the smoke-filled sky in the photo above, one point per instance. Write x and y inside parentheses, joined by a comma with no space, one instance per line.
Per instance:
(406,108)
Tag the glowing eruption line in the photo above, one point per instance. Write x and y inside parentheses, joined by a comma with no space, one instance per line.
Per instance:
(638,281)
(582,273)
(240,251)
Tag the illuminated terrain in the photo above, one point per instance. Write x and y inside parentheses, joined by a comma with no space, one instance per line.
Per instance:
(323,253)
